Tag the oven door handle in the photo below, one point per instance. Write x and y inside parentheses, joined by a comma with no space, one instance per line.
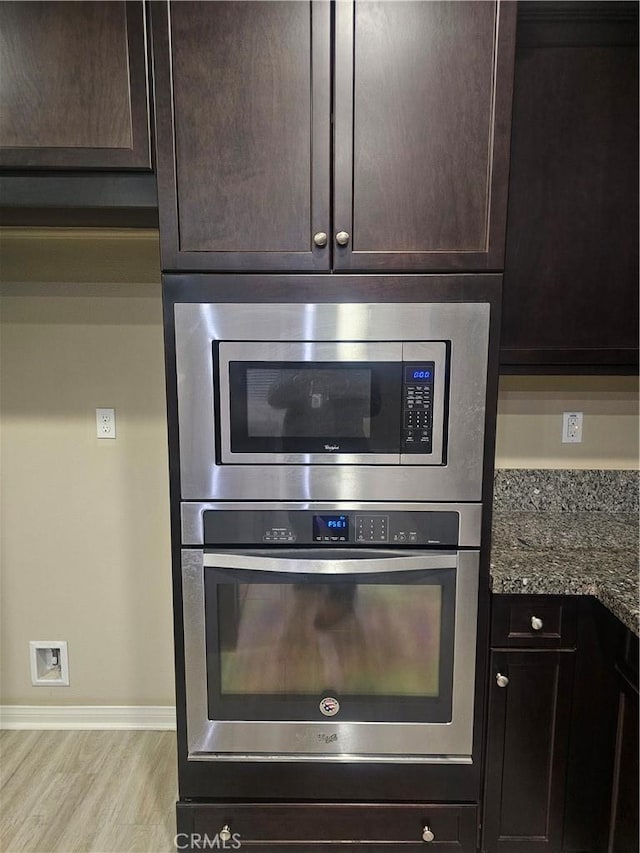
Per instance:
(301,565)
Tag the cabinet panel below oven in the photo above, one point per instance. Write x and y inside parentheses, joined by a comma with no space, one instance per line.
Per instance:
(266,826)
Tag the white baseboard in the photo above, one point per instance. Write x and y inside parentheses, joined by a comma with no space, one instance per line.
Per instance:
(160,717)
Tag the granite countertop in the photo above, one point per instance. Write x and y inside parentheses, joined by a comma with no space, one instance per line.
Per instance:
(564,532)
(556,552)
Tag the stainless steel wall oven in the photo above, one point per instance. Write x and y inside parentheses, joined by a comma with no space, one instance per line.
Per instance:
(318,639)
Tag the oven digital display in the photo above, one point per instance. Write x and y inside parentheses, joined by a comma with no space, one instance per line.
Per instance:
(330,528)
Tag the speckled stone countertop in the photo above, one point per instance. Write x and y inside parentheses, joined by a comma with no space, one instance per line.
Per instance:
(581,540)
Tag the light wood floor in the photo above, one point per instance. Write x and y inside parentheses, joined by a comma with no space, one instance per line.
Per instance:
(99,791)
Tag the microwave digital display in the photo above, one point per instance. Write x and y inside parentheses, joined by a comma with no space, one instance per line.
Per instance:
(417,373)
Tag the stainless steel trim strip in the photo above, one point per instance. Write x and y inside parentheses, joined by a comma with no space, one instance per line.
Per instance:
(346,757)
(470,515)
(303,564)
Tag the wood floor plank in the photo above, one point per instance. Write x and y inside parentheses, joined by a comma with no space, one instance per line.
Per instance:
(14,748)
(87,792)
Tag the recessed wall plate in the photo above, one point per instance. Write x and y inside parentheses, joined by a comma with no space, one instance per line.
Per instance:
(49,663)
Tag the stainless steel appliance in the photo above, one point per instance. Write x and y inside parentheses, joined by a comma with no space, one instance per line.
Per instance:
(331,587)
(330,631)
(316,401)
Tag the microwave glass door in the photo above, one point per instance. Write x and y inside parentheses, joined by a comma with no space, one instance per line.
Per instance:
(279,643)
(308,407)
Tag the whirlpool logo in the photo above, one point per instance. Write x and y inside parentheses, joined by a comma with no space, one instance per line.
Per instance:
(332,447)
(313,737)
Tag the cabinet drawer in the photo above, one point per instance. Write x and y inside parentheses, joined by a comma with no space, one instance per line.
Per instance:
(533,621)
(267,826)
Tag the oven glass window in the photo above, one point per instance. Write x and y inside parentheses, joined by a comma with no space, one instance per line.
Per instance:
(315,407)
(381,648)
(357,638)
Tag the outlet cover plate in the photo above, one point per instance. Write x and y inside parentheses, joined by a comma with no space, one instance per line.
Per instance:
(572,427)
(106,423)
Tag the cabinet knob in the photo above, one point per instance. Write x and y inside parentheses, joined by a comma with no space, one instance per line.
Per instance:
(320,239)
(536,623)
(427,835)
(501,680)
(225,833)
(342,238)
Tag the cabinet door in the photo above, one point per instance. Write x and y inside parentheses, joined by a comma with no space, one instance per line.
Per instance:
(527,742)
(73,86)
(571,270)
(243,134)
(422,123)
(624,832)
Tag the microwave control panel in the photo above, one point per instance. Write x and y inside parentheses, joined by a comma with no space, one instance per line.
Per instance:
(417,407)
(329,529)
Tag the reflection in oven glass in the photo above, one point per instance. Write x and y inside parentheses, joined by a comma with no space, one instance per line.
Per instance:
(359,639)
(310,403)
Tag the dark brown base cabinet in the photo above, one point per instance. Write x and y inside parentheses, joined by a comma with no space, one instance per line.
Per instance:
(531,675)
(623,826)
(561,764)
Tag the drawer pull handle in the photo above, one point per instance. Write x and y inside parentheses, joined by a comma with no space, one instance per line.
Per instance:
(427,835)
(501,680)
(225,834)
(537,623)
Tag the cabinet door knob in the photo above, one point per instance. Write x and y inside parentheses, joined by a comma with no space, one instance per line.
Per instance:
(320,239)
(501,680)
(225,833)
(427,835)
(342,238)
(536,623)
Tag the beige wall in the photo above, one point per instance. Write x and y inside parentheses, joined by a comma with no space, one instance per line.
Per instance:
(530,422)
(85,523)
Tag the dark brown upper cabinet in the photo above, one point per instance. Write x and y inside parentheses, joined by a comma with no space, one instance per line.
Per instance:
(420,136)
(422,122)
(242,95)
(73,86)
(571,268)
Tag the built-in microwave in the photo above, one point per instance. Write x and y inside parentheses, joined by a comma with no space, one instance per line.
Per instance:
(331,401)
(321,402)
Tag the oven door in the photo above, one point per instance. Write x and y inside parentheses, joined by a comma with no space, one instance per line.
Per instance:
(314,653)
(330,402)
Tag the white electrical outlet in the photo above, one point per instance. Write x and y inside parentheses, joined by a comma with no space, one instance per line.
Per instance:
(106,423)
(49,663)
(571,427)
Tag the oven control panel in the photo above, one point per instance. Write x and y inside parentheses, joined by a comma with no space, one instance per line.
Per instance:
(275,527)
(417,407)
